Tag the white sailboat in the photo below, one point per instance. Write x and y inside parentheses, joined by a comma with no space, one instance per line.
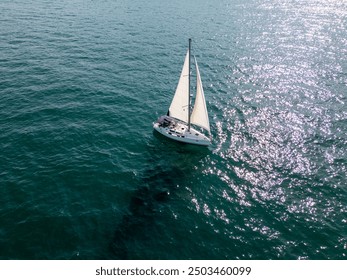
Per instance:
(180,119)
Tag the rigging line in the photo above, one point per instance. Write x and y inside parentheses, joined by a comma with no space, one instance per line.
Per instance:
(189,97)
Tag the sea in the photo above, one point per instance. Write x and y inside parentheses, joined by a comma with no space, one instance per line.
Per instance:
(84,176)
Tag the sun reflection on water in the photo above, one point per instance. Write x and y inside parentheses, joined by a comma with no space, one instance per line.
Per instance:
(279,123)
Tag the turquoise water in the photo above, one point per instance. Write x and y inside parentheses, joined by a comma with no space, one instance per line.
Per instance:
(83,176)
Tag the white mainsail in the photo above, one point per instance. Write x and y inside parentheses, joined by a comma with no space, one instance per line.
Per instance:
(179,107)
(199,115)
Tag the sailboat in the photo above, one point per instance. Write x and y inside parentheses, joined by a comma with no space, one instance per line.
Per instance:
(182,123)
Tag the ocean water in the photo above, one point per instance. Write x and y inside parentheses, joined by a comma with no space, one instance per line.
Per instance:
(83,176)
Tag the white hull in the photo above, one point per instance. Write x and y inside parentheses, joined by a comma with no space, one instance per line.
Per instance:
(178,131)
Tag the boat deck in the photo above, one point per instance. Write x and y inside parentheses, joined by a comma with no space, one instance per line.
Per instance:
(179,131)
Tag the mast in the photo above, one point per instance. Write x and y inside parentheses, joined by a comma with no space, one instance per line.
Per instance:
(190,41)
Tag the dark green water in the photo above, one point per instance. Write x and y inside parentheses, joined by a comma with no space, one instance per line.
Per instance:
(82,176)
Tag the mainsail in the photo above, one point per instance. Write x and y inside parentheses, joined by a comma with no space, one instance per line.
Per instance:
(199,115)
(179,107)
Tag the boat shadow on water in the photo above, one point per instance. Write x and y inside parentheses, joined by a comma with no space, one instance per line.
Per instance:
(154,189)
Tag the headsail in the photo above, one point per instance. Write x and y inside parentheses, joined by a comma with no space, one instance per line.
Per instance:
(179,106)
(199,115)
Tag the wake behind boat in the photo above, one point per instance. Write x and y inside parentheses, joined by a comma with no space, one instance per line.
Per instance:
(177,124)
